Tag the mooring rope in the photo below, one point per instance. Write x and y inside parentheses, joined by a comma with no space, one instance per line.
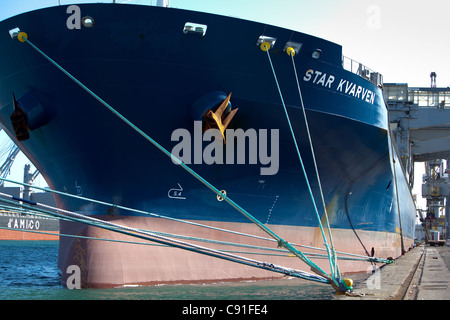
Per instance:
(308,254)
(392,156)
(150,236)
(291,52)
(152,214)
(17,208)
(87,199)
(265,46)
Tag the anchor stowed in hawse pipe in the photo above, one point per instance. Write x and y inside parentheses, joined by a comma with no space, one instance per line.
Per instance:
(220,118)
(28,114)
(19,121)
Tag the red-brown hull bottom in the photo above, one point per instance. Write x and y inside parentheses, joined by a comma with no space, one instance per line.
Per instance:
(105,264)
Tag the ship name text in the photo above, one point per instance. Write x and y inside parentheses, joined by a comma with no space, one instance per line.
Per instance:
(344,86)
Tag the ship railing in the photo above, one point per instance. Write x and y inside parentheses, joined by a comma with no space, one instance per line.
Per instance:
(362,71)
(17,214)
(422,97)
(430,97)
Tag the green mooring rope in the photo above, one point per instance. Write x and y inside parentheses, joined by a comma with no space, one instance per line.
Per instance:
(331,257)
(151,236)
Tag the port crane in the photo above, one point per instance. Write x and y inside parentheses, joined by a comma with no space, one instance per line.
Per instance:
(420,123)
(7,164)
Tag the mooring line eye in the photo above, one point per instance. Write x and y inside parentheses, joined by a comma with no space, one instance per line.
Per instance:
(220,198)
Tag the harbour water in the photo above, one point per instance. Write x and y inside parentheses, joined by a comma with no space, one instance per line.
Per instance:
(28,271)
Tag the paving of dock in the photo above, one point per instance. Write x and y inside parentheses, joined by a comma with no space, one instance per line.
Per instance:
(420,274)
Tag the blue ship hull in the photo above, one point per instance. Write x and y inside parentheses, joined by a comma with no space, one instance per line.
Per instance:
(139,60)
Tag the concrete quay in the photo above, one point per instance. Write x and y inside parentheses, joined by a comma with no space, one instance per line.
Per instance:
(420,274)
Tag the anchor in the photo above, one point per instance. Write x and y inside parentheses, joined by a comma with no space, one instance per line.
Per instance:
(19,121)
(220,118)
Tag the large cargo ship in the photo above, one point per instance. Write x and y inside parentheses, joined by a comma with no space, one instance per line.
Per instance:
(167,71)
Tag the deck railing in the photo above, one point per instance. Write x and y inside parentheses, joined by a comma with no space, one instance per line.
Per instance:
(361,70)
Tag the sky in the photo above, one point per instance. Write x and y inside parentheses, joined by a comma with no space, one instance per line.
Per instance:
(404,40)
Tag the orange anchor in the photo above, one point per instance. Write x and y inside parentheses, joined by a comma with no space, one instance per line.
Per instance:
(219,119)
